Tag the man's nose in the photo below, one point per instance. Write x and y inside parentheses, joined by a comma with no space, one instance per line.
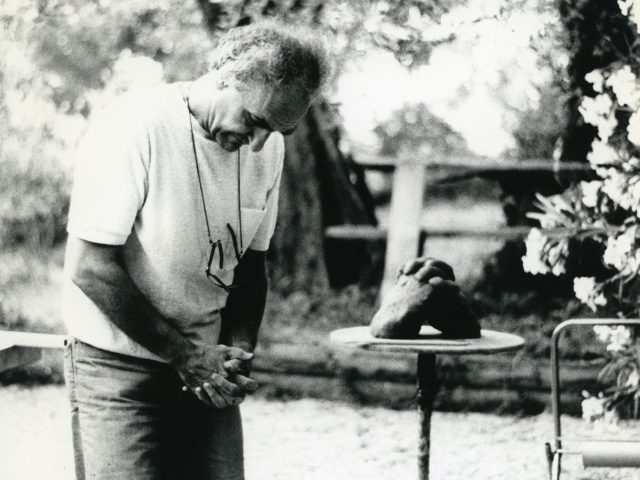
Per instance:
(258,139)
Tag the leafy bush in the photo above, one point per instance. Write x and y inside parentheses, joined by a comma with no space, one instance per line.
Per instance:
(606,212)
(37,135)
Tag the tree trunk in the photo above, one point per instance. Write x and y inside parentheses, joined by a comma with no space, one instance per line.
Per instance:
(316,192)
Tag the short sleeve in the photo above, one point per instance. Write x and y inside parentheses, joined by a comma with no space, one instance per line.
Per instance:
(263,235)
(110,178)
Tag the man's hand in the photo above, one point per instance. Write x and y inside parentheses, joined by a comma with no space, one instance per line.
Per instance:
(239,371)
(203,371)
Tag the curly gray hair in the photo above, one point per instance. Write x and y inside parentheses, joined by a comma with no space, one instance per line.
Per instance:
(274,54)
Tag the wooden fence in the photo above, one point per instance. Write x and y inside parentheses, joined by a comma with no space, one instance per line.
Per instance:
(405,233)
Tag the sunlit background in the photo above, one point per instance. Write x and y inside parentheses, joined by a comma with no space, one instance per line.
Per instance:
(472,82)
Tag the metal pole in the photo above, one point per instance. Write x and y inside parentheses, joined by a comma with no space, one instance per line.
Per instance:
(427,390)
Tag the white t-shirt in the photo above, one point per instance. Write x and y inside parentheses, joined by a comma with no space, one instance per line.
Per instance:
(136,185)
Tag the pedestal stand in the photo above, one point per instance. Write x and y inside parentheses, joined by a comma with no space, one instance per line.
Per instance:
(426,346)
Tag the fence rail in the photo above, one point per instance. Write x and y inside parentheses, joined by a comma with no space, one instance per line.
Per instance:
(478,165)
(405,234)
(372,233)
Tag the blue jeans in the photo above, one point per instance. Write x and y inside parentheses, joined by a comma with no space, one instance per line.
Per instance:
(131,421)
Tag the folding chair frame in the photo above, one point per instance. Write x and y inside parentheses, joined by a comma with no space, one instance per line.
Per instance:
(554,454)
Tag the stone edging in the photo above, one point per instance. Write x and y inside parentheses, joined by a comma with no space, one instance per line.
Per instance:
(472,382)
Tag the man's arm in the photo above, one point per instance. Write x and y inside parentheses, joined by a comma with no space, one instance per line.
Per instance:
(97,270)
(242,315)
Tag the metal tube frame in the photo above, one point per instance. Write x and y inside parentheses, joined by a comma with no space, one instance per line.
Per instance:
(554,455)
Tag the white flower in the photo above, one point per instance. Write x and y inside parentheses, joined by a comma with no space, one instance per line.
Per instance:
(558,268)
(617,338)
(532,262)
(620,339)
(625,86)
(598,301)
(625,6)
(615,187)
(602,154)
(583,287)
(598,111)
(630,8)
(593,107)
(596,79)
(590,192)
(593,408)
(544,255)
(603,333)
(586,291)
(618,253)
(633,129)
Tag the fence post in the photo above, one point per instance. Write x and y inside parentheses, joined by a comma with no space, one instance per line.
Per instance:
(405,216)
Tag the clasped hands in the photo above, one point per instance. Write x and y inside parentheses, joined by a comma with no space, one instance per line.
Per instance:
(217,374)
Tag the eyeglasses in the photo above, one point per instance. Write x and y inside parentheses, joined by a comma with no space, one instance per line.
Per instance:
(217,281)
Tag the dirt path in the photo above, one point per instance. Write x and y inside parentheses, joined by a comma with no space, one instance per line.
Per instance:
(319,440)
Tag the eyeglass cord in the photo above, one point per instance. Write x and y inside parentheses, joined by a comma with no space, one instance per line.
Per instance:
(204,206)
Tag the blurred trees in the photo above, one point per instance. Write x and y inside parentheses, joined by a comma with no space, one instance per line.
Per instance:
(333,191)
(56,58)
(67,50)
(414,128)
(59,59)
(583,35)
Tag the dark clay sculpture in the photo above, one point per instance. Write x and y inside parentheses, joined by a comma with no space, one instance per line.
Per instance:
(420,298)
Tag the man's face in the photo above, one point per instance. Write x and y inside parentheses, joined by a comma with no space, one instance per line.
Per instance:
(246,114)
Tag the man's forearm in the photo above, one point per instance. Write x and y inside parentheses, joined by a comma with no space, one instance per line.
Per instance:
(110,287)
(242,315)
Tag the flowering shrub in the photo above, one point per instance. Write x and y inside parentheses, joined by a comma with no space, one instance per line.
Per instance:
(604,213)
(622,373)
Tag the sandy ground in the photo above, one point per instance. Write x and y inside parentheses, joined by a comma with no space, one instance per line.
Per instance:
(314,440)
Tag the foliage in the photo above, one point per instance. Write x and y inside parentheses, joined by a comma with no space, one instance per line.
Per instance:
(408,29)
(414,129)
(604,212)
(622,374)
(36,136)
(58,55)
(59,61)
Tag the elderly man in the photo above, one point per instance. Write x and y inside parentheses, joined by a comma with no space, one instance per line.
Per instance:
(165,278)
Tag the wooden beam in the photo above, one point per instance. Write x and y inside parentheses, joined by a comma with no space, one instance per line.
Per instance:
(33,340)
(12,356)
(18,349)
(476,165)
(371,233)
